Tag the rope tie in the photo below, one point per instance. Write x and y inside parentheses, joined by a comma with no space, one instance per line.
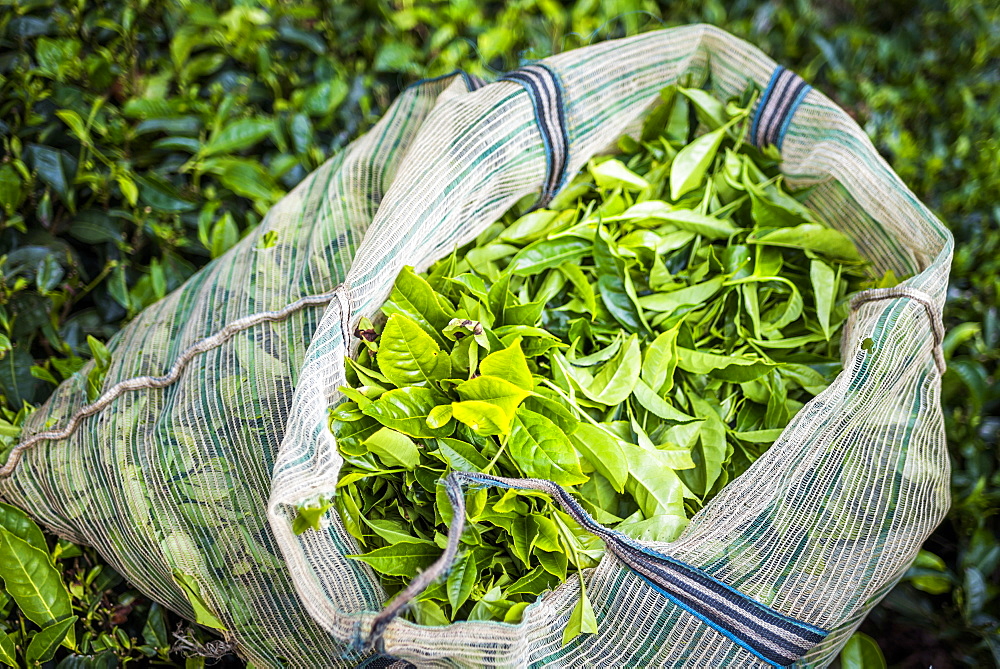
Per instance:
(776,638)
(173,374)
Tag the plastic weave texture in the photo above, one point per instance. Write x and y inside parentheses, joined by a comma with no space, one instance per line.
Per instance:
(212,425)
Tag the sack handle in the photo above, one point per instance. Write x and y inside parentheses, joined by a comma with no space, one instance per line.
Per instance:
(769,635)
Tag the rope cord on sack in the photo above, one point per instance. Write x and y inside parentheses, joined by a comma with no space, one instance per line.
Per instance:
(904,292)
(440,566)
(769,635)
(173,374)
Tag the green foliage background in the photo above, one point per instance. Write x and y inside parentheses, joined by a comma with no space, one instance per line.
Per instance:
(140,139)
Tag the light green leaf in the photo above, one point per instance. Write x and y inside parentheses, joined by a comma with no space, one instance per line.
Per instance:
(752,305)
(203,613)
(582,620)
(534,582)
(690,221)
(224,236)
(407,355)
(247,178)
(414,298)
(484,418)
(603,451)
(128,188)
(461,580)
(813,237)
(520,533)
(439,416)
(660,361)
(697,294)
(461,455)
(75,123)
(676,458)
(408,410)
(663,527)
(759,436)
(529,227)
(308,515)
(687,172)
(710,453)
(8,650)
(702,362)
(548,253)
(394,448)
(584,289)
(541,449)
(617,377)
(861,652)
(102,358)
(654,486)
(711,111)
(509,364)
(788,342)
(494,390)
(655,404)
(824,283)
(238,135)
(18,523)
(31,579)
(613,174)
(771,207)
(393,532)
(601,355)
(429,613)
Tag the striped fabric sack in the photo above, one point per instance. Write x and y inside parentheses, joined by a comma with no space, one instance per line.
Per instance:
(212,426)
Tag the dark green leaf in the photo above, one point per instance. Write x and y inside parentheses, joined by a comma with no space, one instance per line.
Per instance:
(861,652)
(238,135)
(44,643)
(403,559)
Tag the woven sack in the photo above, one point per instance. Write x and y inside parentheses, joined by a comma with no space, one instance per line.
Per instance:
(212,425)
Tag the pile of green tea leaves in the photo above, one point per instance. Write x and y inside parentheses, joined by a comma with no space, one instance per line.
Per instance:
(640,341)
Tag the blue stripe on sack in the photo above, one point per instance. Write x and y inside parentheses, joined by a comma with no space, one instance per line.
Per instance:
(546,92)
(778,104)
(721,630)
(769,635)
(380,662)
(736,600)
(788,117)
(762,104)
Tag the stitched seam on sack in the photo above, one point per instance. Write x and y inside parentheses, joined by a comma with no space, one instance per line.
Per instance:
(172,375)
(918,296)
